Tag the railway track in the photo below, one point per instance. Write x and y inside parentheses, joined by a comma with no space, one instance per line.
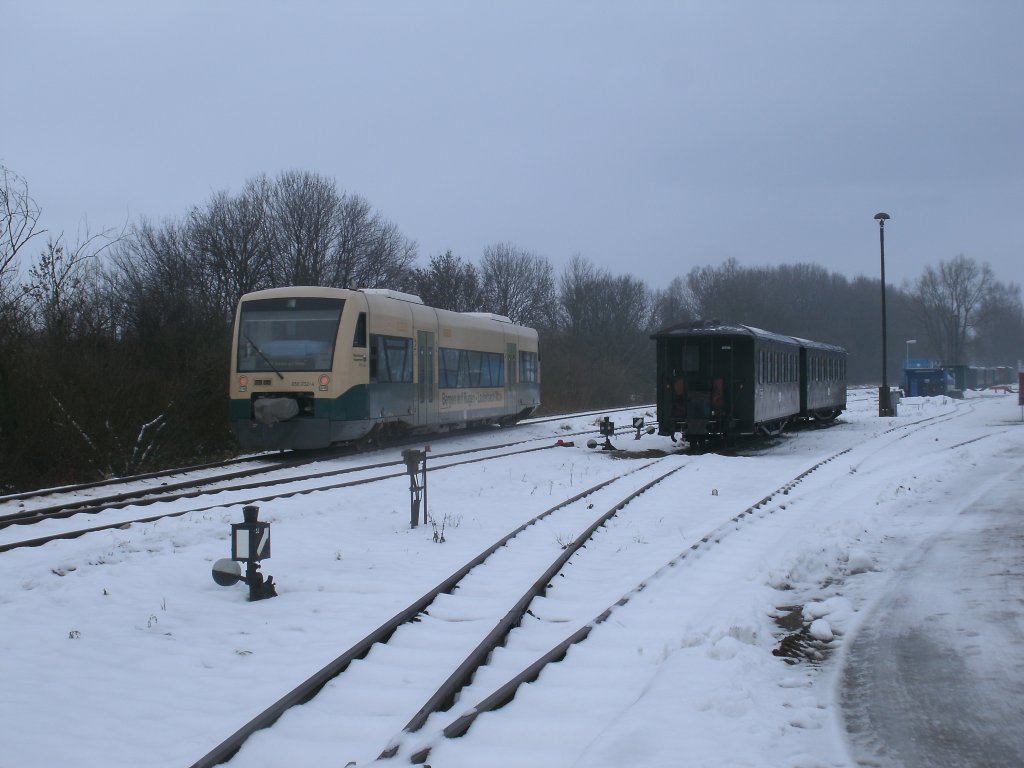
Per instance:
(32,505)
(482,677)
(445,612)
(223,486)
(487,676)
(251,654)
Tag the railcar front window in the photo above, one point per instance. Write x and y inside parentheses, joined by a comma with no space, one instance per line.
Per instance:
(295,333)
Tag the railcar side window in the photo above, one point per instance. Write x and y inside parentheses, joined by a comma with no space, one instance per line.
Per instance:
(469,368)
(390,359)
(528,367)
(295,333)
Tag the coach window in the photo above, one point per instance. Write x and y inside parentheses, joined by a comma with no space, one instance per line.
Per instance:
(690,359)
(359,338)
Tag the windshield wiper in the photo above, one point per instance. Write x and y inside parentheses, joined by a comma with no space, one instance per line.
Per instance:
(265,358)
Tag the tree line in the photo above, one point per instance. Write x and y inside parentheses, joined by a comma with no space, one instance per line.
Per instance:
(114,349)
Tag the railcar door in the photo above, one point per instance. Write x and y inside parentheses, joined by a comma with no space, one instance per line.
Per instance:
(511,376)
(426,388)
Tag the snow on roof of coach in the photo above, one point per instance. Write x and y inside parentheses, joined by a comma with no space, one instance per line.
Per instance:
(820,345)
(718,328)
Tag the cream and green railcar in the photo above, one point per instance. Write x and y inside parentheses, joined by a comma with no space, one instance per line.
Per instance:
(311,367)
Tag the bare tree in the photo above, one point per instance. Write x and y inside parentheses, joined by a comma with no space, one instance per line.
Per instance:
(62,285)
(519,285)
(999,326)
(949,299)
(388,261)
(672,305)
(449,282)
(370,251)
(601,354)
(159,275)
(576,296)
(304,228)
(231,237)
(19,221)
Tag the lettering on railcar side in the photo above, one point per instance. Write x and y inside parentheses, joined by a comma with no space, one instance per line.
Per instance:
(468,397)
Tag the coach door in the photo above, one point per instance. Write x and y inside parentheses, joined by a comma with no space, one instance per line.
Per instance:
(426,403)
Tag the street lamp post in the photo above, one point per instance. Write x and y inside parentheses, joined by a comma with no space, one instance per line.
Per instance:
(884,400)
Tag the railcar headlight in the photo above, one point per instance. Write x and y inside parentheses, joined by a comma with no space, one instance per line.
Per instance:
(324,381)
(243,383)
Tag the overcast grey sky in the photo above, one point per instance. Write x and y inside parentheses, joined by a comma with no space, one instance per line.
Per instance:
(650,137)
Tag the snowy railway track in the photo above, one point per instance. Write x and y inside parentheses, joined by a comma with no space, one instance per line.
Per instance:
(702,575)
(23,506)
(28,512)
(489,675)
(481,699)
(137,490)
(289,486)
(525,552)
(484,676)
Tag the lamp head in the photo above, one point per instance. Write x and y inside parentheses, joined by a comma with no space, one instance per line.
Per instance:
(882,217)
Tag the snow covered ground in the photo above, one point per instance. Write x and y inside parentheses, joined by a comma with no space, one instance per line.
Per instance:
(895,570)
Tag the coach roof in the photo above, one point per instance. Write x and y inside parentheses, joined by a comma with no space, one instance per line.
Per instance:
(718,328)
